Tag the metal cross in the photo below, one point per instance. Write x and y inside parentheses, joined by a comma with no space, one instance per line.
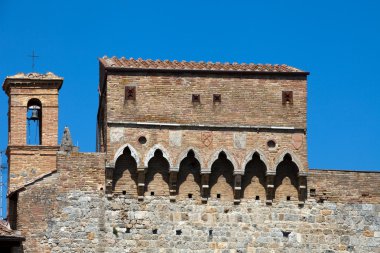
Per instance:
(33,56)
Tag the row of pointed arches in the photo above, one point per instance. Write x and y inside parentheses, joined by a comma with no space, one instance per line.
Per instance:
(220,181)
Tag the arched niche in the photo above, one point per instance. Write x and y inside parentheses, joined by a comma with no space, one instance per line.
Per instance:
(221,180)
(254,178)
(125,175)
(189,177)
(34,122)
(157,175)
(286,180)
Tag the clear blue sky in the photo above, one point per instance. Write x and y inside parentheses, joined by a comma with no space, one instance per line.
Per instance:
(337,41)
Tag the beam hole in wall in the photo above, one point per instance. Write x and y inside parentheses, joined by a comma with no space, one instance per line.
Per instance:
(190,195)
(217,98)
(128,230)
(271,144)
(287,198)
(285,233)
(178,232)
(154,231)
(218,196)
(142,139)
(101,188)
(312,193)
(151,193)
(257,197)
(124,192)
(195,98)
(210,232)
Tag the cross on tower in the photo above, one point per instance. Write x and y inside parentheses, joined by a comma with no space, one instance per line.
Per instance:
(33,56)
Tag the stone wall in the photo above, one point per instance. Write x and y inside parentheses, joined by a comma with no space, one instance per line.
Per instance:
(68,211)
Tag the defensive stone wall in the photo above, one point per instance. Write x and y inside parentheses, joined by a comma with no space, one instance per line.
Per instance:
(68,211)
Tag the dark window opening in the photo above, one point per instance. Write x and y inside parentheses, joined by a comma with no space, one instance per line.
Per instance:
(154,231)
(190,196)
(151,193)
(130,93)
(142,140)
(196,98)
(257,197)
(124,192)
(218,196)
(287,198)
(312,193)
(217,98)
(178,232)
(287,97)
(271,144)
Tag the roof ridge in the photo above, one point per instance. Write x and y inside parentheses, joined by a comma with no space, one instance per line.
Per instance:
(139,63)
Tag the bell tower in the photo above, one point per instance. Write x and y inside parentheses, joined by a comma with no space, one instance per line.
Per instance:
(32,126)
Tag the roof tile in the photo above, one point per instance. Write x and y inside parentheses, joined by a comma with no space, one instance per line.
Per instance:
(132,63)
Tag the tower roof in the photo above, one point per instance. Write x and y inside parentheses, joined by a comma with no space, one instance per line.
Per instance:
(32,79)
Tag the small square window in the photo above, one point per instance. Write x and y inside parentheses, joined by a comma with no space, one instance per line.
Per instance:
(196,98)
(130,93)
(217,98)
(287,97)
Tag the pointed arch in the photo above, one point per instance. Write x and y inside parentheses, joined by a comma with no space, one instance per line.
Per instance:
(286,183)
(189,177)
(124,176)
(134,153)
(221,180)
(151,152)
(254,178)
(294,157)
(249,156)
(157,175)
(215,156)
(184,154)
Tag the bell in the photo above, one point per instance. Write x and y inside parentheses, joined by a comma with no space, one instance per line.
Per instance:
(34,115)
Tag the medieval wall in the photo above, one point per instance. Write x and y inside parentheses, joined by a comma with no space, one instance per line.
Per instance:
(71,213)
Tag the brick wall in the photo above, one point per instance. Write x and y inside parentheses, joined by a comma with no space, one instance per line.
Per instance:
(168,98)
(345,186)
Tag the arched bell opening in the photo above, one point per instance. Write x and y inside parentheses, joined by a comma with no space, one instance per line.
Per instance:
(254,181)
(157,176)
(34,122)
(125,174)
(222,179)
(286,181)
(189,178)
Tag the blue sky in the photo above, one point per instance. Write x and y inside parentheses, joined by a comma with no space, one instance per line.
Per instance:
(337,41)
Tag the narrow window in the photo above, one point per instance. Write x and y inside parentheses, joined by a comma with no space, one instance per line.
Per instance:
(130,93)
(217,98)
(196,98)
(34,122)
(287,97)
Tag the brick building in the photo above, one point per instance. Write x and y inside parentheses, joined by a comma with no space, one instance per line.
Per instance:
(191,156)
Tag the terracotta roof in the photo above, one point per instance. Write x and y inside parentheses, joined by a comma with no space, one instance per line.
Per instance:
(8,234)
(123,63)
